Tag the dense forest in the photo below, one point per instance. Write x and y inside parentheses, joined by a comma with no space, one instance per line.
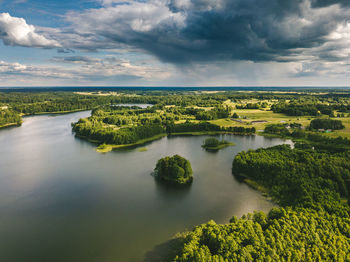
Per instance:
(284,234)
(311,224)
(295,177)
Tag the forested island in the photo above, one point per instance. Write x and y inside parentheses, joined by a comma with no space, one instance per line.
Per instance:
(174,170)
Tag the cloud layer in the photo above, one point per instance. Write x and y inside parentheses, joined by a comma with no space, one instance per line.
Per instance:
(83,68)
(182,31)
(194,40)
(15,31)
(186,31)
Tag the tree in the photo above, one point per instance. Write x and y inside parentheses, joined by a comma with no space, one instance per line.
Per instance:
(174,170)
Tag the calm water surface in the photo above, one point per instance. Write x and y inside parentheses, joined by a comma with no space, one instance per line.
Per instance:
(62,201)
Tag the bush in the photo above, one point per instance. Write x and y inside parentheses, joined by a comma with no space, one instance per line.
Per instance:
(211,142)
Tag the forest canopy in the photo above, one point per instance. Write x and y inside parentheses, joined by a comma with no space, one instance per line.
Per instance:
(326,123)
(9,117)
(312,223)
(174,170)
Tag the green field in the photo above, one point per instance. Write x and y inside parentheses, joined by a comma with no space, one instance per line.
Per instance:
(249,115)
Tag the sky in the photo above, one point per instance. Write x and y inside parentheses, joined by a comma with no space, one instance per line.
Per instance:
(175,43)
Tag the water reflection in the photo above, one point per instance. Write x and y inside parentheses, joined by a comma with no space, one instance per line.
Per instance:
(170,192)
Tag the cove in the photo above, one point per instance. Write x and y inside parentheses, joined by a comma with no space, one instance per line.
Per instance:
(62,201)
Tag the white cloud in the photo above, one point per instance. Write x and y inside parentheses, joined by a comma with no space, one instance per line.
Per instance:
(118,20)
(16,31)
(84,68)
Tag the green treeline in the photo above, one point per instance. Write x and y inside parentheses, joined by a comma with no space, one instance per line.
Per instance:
(9,117)
(294,177)
(216,113)
(277,129)
(308,139)
(129,135)
(174,170)
(95,130)
(252,106)
(326,144)
(188,127)
(326,123)
(194,105)
(311,107)
(61,101)
(296,109)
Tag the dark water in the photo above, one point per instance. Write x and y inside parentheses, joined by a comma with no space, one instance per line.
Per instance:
(62,201)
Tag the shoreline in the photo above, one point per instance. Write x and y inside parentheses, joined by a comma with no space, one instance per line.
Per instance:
(256,186)
(11,125)
(105,148)
(56,113)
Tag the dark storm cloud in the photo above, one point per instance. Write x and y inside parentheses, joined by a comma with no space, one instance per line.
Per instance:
(184,31)
(324,3)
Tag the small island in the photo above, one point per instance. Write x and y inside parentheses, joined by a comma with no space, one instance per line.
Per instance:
(174,170)
(214,144)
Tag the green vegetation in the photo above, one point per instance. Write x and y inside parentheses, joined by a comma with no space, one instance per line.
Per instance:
(224,109)
(121,126)
(285,234)
(9,118)
(277,129)
(295,177)
(216,113)
(311,182)
(105,148)
(312,107)
(313,223)
(326,123)
(214,144)
(129,135)
(174,170)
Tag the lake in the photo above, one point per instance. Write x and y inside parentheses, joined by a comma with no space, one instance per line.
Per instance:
(62,201)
